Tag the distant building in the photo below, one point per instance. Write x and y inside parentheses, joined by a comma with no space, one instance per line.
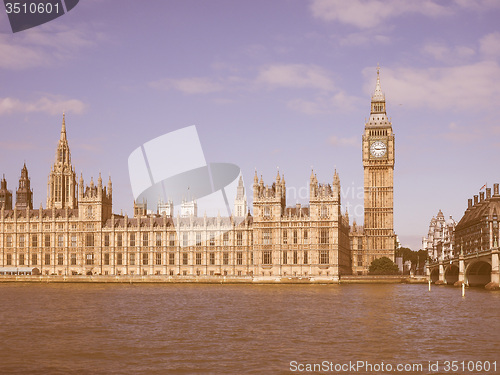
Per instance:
(440,240)
(479,229)
(166,208)
(189,208)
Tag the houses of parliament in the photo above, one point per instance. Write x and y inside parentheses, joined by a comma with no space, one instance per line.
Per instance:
(78,233)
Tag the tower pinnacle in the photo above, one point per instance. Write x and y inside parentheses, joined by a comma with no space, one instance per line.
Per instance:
(62,179)
(378,102)
(378,95)
(63,128)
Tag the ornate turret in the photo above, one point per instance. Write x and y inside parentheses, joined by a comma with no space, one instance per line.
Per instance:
(24,193)
(5,195)
(255,185)
(336,183)
(61,189)
(313,185)
(240,202)
(110,186)
(94,201)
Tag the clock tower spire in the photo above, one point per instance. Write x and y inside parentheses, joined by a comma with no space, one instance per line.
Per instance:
(378,164)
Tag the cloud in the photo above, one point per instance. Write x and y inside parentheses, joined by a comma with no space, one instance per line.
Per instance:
(461,134)
(295,76)
(441,52)
(339,141)
(477,5)
(341,100)
(50,104)
(308,107)
(366,14)
(194,85)
(489,45)
(363,38)
(16,146)
(471,87)
(325,104)
(43,46)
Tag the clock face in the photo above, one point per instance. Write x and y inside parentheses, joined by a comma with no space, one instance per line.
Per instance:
(378,149)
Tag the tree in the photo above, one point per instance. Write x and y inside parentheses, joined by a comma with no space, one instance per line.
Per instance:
(417,258)
(407,254)
(383,266)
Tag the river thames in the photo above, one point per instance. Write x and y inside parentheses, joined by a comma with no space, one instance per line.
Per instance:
(246,329)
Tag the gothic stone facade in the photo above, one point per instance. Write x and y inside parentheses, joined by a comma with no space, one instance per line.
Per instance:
(376,238)
(78,233)
(440,241)
(478,230)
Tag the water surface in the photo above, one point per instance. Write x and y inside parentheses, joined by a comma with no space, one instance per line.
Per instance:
(239,329)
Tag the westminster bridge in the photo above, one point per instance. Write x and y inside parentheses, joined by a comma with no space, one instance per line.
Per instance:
(480,268)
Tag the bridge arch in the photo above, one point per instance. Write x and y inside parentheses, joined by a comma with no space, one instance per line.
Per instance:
(451,274)
(478,273)
(434,275)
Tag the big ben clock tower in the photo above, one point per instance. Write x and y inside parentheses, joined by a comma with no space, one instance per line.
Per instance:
(378,164)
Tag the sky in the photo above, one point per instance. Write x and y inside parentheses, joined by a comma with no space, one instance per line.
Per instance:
(269,84)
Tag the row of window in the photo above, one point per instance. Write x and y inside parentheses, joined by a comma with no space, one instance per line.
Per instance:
(267,258)
(22,240)
(323,211)
(171,241)
(133,241)
(295,237)
(89,240)
(324,237)
(48,226)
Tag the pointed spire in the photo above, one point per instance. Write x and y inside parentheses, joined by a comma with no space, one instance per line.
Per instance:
(312,174)
(63,127)
(99,180)
(255,177)
(378,95)
(278,178)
